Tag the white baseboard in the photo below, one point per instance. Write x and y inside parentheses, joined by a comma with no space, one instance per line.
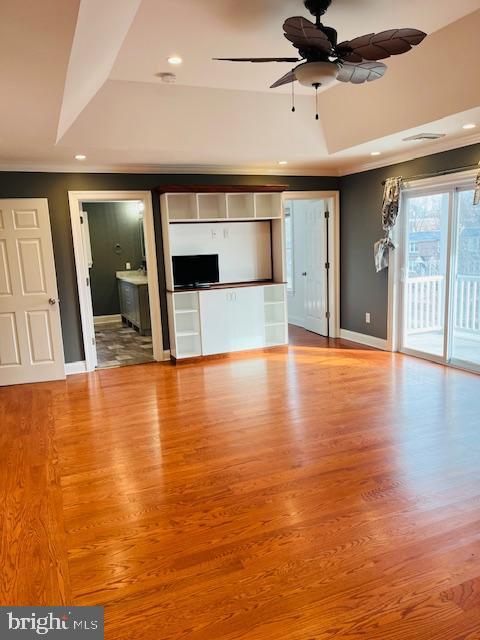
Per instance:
(297,322)
(97,320)
(71,368)
(361,338)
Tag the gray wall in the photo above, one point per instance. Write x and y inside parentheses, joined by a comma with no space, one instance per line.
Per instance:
(55,187)
(115,229)
(361,196)
(362,289)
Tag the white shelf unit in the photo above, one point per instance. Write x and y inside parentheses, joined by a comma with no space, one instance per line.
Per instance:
(184,324)
(254,316)
(240,206)
(181,206)
(268,205)
(275,309)
(212,206)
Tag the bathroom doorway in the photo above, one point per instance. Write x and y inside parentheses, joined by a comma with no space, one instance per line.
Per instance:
(118,283)
(113,234)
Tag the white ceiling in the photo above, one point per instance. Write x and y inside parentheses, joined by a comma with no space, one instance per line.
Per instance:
(84,81)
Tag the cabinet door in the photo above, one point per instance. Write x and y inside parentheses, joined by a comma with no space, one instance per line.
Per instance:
(215,321)
(247,319)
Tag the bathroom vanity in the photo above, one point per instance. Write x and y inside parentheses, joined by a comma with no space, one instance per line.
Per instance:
(134,304)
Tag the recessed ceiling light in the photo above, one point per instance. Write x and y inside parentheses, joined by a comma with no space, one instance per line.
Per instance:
(376,153)
(470,125)
(80,156)
(175,60)
(282,162)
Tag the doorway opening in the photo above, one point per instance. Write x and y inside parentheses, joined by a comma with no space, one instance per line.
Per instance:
(114,242)
(311,242)
(117,277)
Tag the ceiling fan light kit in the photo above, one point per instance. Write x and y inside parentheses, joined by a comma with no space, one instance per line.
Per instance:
(323,61)
(311,73)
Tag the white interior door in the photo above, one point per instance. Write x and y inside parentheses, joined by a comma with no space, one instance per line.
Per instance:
(31,348)
(307,292)
(296,263)
(316,274)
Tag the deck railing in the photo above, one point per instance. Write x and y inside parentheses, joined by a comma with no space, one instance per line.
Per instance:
(467,303)
(425,304)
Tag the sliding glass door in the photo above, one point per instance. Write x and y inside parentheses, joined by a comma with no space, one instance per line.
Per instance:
(440,302)
(426,273)
(465,343)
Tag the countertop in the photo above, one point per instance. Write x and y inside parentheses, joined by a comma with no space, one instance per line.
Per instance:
(133,277)
(228,285)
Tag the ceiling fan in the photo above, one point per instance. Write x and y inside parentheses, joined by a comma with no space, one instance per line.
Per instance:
(323,60)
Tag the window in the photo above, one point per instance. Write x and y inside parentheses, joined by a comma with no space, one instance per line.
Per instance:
(289,249)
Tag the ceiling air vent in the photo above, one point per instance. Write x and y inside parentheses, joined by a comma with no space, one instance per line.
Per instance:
(419,137)
(168,78)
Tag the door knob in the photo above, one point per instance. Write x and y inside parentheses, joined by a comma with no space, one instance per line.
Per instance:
(52,301)
(304,273)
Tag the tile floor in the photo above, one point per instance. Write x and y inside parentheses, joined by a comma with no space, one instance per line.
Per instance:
(118,346)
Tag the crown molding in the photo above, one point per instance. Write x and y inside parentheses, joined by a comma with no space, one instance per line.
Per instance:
(419,151)
(167,169)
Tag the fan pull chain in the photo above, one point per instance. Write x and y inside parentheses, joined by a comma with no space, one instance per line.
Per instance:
(293,96)
(316,85)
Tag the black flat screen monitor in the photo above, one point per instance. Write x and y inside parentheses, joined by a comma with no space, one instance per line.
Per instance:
(191,271)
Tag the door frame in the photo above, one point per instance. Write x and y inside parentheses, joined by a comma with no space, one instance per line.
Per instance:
(442,183)
(333,248)
(75,199)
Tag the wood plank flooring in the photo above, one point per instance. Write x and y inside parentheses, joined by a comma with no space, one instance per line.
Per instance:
(319,492)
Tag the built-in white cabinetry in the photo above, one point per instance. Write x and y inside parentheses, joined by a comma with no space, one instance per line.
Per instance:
(185,207)
(244,248)
(275,314)
(247,308)
(232,320)
(217,321)
(184,324)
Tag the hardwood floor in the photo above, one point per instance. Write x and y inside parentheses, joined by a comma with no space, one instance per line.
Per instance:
(312,493)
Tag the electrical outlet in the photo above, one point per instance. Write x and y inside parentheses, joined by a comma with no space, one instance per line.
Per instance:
(128,266)
(214,233)
(367,318)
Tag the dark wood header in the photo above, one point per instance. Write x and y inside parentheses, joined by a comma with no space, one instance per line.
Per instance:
(222,188)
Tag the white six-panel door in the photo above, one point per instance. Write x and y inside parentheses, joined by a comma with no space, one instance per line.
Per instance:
(31,348)
(316,278)
(307,305)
